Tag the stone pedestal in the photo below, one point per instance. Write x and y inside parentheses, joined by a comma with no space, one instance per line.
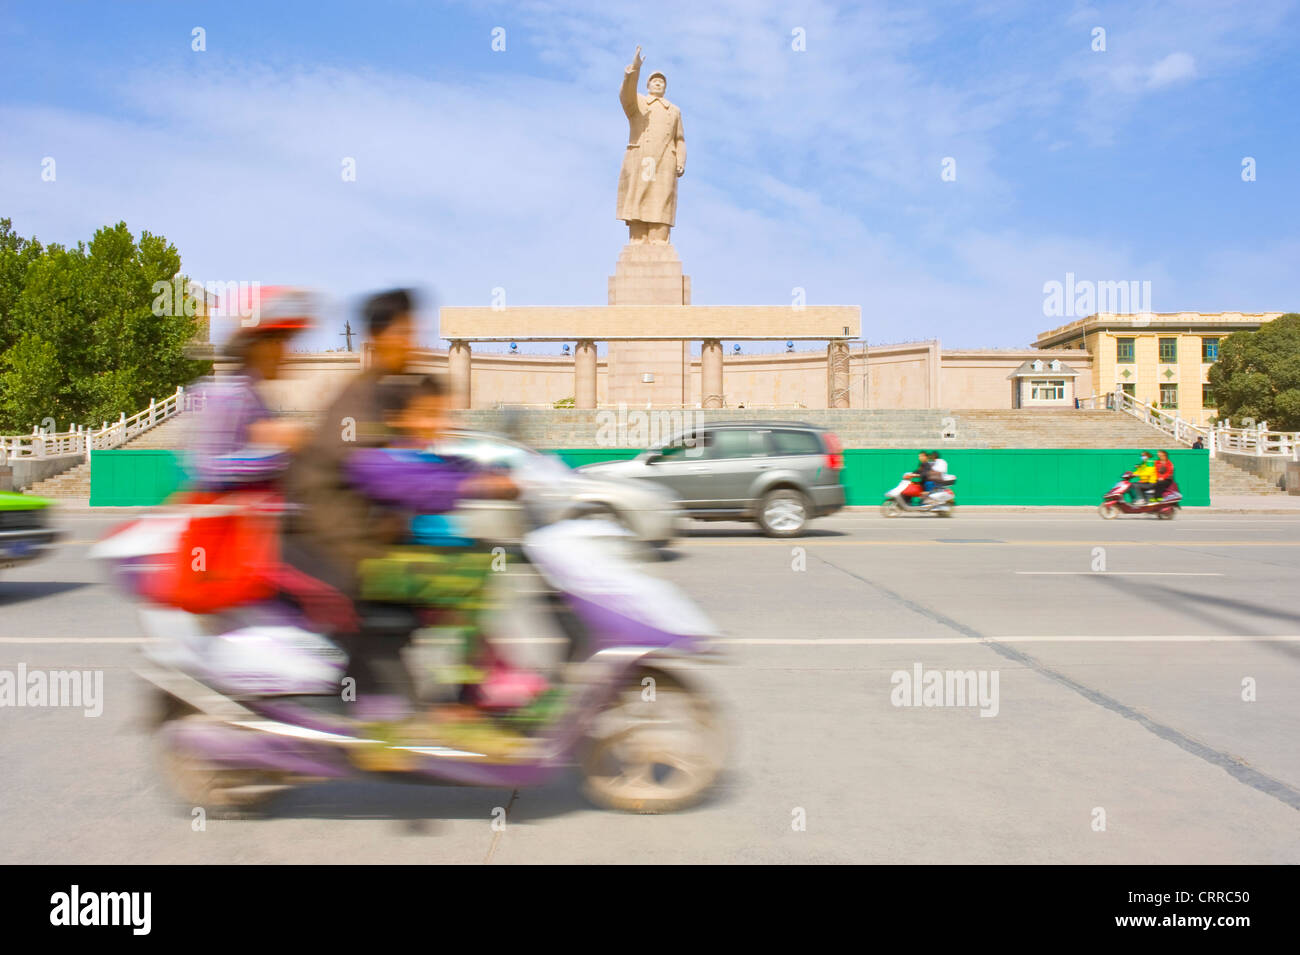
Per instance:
(654,373)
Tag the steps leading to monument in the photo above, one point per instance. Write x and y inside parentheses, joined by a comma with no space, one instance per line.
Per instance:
(1064,428)
(74,482)
(857,428)
(1228,479)
(545,428)
(171,435)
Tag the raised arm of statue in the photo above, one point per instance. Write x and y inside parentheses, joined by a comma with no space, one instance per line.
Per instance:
(627,92)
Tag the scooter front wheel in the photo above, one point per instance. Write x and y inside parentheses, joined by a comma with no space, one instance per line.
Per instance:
(891,508)
(1109,510)
(657,747)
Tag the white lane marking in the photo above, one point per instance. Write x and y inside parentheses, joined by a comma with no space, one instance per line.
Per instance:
(816,641)
(71,640)
(916,641)
(1113,573)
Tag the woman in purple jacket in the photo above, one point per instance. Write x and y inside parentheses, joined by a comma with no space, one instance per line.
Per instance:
(240,442)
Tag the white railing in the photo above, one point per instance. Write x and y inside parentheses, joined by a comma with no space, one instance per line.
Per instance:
(81,440)
(1169,423)
(1257,441)
(1095,403)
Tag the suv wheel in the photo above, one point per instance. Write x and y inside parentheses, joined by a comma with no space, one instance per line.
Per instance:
(783,513)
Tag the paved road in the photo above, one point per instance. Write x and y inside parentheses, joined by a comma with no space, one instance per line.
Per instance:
(1119,692)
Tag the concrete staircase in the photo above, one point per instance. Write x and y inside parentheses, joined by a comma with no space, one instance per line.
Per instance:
(1228,480)
(74,482)
(856,428)
(1092,429)
(545,428)
(172,435)
(1066,428)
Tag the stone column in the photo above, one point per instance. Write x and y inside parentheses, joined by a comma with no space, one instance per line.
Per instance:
(458,369)
(711,394)
(837,374)
(584,374)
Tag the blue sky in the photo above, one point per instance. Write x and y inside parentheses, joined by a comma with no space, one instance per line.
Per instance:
(817,169)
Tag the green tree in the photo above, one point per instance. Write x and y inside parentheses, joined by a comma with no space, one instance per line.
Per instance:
(79,337)
(1258,374)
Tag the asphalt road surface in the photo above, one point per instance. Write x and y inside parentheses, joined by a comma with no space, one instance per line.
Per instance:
(1147,709)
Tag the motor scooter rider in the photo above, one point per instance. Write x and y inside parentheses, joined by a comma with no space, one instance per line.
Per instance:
(938,475)
(335,526)
(1144,478)
(1164,474)
(239,441)
(919,476)
(338,526)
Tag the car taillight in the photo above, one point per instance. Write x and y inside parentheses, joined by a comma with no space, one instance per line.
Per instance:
(834,452)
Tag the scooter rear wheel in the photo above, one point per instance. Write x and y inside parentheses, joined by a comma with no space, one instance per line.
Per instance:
(1109,510)
(221,793)
(1168,514)
(655,754)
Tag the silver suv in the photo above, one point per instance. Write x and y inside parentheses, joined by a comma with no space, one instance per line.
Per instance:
(779,474)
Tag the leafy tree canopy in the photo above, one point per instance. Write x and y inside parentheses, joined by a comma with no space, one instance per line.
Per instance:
(1258,375)
(79,338)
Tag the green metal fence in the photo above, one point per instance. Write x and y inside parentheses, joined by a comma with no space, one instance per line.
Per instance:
(126,478)
(1042,477)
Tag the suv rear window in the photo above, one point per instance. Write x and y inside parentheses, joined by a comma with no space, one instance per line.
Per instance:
(737,443)
(795,442)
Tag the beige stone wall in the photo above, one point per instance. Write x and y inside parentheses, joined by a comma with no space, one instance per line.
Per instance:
(911,375)
(900,376)
(311,380)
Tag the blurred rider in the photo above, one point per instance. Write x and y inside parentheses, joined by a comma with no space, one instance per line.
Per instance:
(1144,477)
(240,441)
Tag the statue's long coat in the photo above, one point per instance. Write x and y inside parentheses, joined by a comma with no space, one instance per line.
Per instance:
(647,183)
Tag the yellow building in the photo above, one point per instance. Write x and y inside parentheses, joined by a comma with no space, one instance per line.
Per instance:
(1162,358)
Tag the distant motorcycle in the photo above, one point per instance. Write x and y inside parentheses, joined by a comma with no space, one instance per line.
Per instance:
(1114,503)
(911,497)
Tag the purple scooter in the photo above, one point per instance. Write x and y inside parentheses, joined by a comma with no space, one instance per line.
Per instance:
(248,704)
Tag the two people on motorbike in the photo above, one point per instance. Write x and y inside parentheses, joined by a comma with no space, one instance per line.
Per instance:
(353,486)
(1152,477)
(931,472)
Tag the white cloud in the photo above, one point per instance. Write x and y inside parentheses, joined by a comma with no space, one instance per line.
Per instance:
(1174,68)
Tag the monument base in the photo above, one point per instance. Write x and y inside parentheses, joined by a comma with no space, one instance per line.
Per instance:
(649,373)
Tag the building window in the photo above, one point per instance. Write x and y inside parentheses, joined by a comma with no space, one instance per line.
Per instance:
(1168,351)
(1129,388)
(1047,390)
(1209,350)
(1207,397)
(1125,353)
(1169,396)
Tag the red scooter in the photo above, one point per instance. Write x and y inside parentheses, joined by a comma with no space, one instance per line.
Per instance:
(1114,503)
